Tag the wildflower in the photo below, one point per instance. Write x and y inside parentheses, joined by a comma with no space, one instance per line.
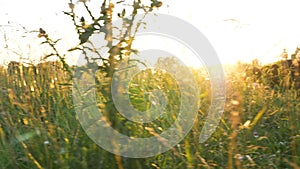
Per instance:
(239,157)
(255,85)
(255,134)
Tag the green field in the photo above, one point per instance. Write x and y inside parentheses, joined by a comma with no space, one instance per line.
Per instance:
(39,128)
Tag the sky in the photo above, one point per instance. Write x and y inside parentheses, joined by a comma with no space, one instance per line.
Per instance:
(246,29)
(237,29)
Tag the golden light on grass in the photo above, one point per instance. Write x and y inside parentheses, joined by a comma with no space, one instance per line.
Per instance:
(258,117)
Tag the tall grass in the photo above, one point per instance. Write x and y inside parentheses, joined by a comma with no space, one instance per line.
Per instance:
(39,128)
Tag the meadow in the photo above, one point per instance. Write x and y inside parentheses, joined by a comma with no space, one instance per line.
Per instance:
(39,127)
